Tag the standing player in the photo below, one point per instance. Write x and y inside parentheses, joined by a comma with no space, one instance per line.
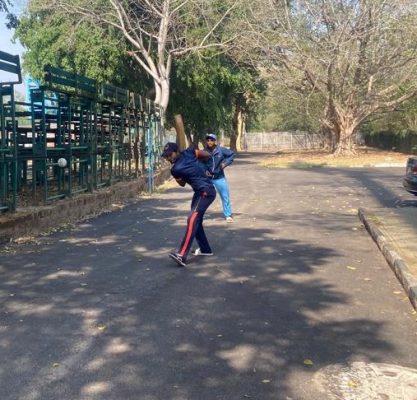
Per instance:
(219,159)
(186,168)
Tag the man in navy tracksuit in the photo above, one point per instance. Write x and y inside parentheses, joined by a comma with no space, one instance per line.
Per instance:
(186,168)
(220,158)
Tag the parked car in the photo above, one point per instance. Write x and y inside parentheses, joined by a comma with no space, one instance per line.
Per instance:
(410,179)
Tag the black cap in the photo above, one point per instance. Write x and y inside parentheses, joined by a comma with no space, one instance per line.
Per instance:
(169,148)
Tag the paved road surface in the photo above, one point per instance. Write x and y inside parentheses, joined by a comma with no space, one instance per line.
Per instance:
(296,291)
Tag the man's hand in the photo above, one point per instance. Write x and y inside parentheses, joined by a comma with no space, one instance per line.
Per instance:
(180,181)
(223,165)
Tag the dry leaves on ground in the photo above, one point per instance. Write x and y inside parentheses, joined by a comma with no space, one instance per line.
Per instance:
(364,157)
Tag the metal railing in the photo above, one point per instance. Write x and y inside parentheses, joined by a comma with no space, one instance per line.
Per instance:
(73,136)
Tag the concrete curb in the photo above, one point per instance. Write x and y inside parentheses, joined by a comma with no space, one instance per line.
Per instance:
(397,264)
(29,222)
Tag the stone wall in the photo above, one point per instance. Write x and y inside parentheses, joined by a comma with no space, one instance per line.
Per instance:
(32,221)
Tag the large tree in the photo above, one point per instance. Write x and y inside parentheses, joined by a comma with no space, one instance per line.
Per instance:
(359,55)
(157,31)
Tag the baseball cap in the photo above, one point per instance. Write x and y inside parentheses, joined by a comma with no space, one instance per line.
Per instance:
(169,148)
(211,136)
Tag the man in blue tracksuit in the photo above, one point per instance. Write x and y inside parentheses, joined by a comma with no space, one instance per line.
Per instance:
(186,168)
(220,158)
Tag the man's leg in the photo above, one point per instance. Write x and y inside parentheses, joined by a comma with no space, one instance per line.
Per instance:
(223,188)
(201,238)
(194,221)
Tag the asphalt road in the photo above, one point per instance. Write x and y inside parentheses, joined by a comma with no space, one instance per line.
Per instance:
(296,286)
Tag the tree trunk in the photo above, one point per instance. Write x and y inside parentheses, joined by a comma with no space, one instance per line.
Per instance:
(328,139)
(342,125)
(344,140)
(238,124)
(164,94)
(158,93)
(244,144)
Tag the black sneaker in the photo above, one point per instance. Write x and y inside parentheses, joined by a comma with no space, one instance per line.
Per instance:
(178,259)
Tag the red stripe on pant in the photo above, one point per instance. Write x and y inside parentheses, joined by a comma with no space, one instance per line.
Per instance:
(190,229)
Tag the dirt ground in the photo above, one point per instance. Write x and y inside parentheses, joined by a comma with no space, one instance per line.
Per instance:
(364,157)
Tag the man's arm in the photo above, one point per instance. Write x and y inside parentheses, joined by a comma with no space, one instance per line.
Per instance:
(228,157)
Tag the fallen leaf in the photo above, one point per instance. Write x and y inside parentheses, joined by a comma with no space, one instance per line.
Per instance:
(266,381)
(350,267)
(101,327)
(307,361)
(352,383)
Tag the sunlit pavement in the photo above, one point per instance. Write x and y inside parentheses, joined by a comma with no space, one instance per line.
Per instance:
(296,304)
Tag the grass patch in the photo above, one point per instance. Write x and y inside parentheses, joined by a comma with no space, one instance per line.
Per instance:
(305,159)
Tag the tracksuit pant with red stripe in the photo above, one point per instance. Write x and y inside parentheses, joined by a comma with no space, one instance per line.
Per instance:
(199,204)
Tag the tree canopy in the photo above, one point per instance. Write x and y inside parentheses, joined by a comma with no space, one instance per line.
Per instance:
(205,90)
(156,32)
(205,86)
(331,64)
(76,45)
(360,56)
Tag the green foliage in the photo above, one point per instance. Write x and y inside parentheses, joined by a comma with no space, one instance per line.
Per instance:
(12,21)
(286,110)
(393,130)
(205,91)
(205,88)
(78,46)
(403,118)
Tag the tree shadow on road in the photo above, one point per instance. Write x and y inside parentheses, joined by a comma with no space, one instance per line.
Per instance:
(101,313)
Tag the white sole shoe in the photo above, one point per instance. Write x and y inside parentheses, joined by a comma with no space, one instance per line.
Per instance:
(197,252)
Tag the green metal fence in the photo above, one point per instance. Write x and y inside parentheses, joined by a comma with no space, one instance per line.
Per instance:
(73,136)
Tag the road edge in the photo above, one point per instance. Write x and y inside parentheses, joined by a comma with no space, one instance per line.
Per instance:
(397,264)
(45,218)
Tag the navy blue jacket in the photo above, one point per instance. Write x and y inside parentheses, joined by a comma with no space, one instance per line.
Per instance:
(188,169)
(219,156)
